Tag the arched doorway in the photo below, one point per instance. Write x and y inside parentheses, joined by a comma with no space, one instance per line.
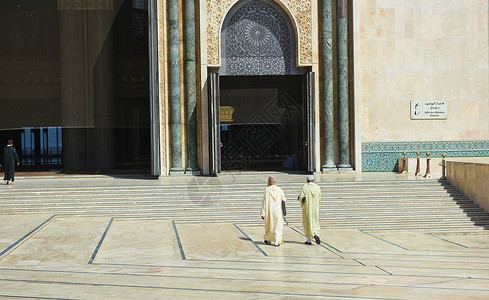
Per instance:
(261,99)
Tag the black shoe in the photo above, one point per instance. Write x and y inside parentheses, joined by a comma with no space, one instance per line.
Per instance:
(267,242)
(318,240)
(308,243)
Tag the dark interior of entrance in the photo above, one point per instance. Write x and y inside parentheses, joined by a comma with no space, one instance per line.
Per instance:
(74,84)
(131,69)
(262,122)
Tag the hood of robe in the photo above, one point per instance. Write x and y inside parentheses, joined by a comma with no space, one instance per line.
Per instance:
(271,189)
(313,188)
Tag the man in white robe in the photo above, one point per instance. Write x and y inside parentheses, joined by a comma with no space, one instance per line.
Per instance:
(271,212)
(309,198)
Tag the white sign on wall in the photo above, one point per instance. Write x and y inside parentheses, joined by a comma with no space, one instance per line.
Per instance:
(429,110)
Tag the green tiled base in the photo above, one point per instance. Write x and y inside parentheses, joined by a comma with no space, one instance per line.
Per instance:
(382,157)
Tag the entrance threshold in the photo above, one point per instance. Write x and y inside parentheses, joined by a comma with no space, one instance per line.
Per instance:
(255,173)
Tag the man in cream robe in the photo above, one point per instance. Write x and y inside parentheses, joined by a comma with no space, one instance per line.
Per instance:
(271,212)
(309,198)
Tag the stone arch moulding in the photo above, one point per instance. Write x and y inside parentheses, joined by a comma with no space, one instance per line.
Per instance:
(299,12)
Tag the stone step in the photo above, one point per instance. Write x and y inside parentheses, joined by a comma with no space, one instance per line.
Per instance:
(203,210)
(331,188)
(375,205)
(325,222)
(251,202)
(347,207)
(259,189)
(245,197)
(403,210)
(253,214)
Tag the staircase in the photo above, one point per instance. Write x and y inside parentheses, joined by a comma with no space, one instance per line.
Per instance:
(427,205)
(400,205)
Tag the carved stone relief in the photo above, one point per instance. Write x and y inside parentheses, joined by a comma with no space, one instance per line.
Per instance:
(162,80)
(257,41)
(300,9)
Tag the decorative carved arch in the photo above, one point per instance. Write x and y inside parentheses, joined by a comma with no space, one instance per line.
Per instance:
(258,37)
(300,15)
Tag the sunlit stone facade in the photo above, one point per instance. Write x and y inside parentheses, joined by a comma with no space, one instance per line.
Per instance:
(318,86)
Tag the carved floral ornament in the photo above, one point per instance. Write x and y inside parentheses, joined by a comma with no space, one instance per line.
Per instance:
(301,17)
(257,41)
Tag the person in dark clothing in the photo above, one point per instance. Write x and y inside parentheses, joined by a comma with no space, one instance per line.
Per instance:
(10,160)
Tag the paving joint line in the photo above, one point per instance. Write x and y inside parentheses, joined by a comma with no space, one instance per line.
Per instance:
(251,240)
(440,238)
(359,262)
(26,237)
(322,243)
(156,275)
(442,281)
(383,270)
(133,286)
(359,286)
(95,252)
(179,242)
(386,241)
(34,297)
(204,277)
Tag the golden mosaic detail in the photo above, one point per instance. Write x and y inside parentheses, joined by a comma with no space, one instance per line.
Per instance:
(226,114)
(301,11)
(85,4)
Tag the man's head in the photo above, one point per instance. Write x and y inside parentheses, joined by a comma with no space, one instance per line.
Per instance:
(310,178)
(272,180)
(10,142)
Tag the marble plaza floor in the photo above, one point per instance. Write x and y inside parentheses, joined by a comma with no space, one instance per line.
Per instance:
(385,236)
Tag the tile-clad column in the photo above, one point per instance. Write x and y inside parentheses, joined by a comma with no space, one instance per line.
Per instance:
(343,103)
(190,86)
(174,74)
(327,84)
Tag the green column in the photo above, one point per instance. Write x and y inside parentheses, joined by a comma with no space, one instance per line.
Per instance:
(190,86)
(327,84)
(343,102)
(174,74)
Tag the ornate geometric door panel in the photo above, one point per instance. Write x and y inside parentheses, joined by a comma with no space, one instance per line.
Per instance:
(298,13)
(257,39)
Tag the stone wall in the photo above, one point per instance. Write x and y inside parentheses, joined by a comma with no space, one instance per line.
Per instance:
(403,51)
(423,50)
(471,179)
